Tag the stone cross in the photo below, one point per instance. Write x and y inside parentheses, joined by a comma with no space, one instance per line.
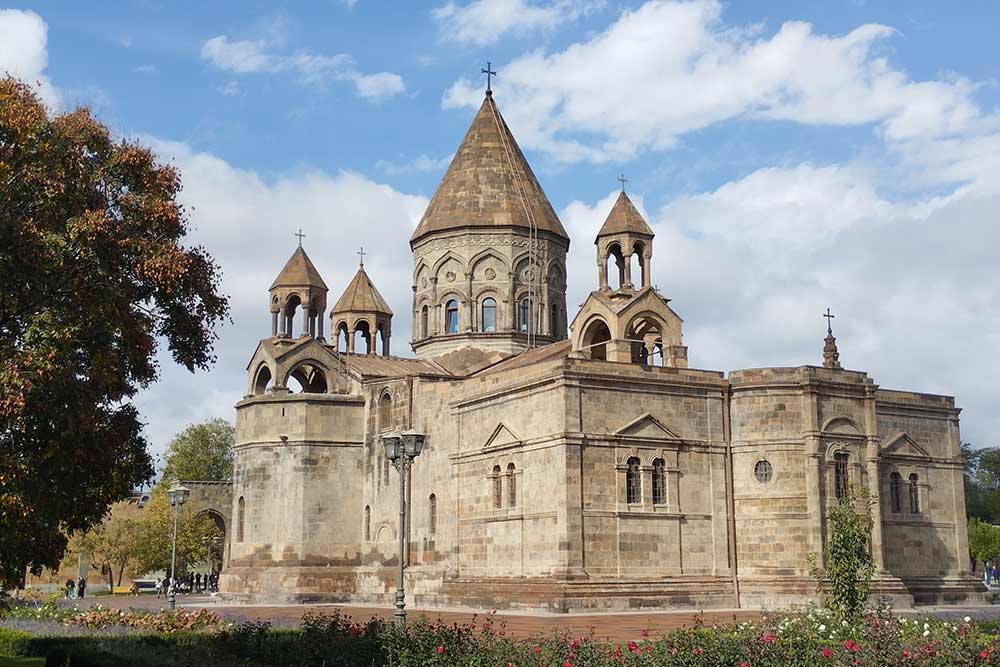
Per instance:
(489,73)
(829,321)
(301,236)
(623,181)
(362,253)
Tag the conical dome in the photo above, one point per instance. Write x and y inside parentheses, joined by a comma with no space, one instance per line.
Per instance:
(624,219)
(489,184)
(299,271)
(361,297)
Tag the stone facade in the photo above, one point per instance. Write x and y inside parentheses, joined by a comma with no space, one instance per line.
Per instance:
(570,470)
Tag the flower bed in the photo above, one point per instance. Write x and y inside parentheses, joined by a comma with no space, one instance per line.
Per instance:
(812,639)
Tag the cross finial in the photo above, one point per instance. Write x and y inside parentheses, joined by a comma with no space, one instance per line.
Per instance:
(829,321)
(489,74)
(362,253)
(621,179)
(301,236)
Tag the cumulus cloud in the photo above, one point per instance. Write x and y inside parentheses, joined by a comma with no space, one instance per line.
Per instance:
(483,22)
(310,69)
(670,68)
(247,221)
(421,164)
(24,53)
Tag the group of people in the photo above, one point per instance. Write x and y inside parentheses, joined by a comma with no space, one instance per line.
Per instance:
(991,574)
(194,583)
(76,589)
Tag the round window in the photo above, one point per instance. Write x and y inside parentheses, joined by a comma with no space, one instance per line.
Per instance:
(762,471)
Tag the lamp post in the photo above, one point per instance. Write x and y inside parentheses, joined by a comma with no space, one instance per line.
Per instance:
(177,495)
(401,449)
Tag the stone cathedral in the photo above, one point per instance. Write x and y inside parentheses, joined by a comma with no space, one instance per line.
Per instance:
(573,460)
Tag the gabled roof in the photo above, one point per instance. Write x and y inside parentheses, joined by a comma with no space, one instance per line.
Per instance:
(299,271)
(489,184)
(624,218)
(361,297)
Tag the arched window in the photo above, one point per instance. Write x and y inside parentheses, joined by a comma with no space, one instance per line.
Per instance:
(840,460)
(511,486)
(432,508)
(385,412)
(240,515)
(524,311)
(497,488)
(451,316)
(368,523)
(895,481)
(633,483)
(423,322)
(659,482)
(489,319)
(554,321)
(914,494)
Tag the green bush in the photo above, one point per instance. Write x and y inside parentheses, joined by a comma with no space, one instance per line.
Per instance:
(14,642)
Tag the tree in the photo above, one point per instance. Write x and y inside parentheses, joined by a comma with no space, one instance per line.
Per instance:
(196,533)
(93,275)
(109,545)
(984,541)
(849,563)
(202,452)
(982,482)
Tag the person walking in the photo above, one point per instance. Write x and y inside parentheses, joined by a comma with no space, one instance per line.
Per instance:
(197,582)
(81,588)
(159,587)
(70,587)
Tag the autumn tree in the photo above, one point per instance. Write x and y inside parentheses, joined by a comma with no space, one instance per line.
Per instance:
(109,545)
(196,534)
(94,276)
(202,452)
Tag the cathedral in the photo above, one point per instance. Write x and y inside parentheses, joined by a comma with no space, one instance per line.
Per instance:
(571,460)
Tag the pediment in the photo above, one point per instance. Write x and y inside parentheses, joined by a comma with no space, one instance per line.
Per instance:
(502,436)
(647,426)
(902,444)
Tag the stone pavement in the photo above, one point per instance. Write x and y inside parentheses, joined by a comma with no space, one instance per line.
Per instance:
(613,626)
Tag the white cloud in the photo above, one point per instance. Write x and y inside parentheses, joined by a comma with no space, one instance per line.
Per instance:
(669,68)
(483,22)
(230,88)
(247,222)
(751,265)
(420,164)
(311,69)
(23,51)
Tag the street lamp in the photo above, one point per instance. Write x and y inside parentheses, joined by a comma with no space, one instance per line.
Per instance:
(177,495)
(401,449)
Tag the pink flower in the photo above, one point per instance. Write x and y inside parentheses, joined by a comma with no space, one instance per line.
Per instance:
(769,638)
(440,650)
(645,633)
(984,654)
(906,653)
(744,664)
(537,650)
(632,646)
(698,651)
(567,664)
(827,653)
(852,646)
(574,644)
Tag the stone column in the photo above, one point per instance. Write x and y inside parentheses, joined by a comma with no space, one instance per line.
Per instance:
(306,314)
(434,311)
(319,324)
(814,473)
(350,341)
(602,271)
(385,344)
(627,259)
(274,323)
(647,268)
(472,304)
(874,487)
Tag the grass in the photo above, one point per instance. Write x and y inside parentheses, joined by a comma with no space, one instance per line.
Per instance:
(22,662)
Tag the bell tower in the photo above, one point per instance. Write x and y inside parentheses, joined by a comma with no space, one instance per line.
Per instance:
(298,286)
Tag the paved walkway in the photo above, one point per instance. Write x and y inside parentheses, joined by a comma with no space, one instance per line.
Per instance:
(614,626)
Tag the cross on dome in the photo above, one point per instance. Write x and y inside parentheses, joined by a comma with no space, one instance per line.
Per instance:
(489,73)
(362,254)
(829,321)
(301,236)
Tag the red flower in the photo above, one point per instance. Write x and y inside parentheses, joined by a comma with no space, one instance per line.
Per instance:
(698,651)
(567,664)
(537,650)
(769,638)
(906,653)
(440,649)
(571,656)
(645,633)
(827,653)
(632,646)
(574,644)
(852,646)
(744,664)
(984,654)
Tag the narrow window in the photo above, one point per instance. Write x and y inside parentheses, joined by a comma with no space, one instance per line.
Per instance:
(451,316)
(633,483)
(240,514)
(368,523)
(489,314)
(659,482)
(895,481)
(554,321)
(497,488)
(432,507)
(511,486)
(423,322)
(385,412)
(840,475)
(914,494)
(524,311)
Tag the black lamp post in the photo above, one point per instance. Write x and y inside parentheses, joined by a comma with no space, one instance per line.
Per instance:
(401,449)
(177,495)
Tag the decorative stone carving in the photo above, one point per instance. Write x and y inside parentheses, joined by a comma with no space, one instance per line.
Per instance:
(490,274)
(450,276)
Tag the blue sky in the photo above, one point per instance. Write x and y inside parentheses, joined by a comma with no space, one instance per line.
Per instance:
(790,157)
